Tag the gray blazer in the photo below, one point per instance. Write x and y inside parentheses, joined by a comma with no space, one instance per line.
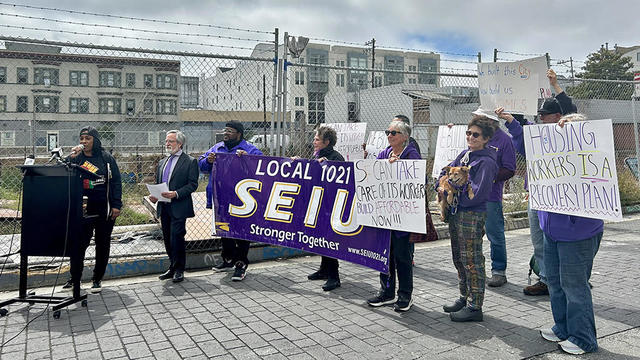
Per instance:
(184,180)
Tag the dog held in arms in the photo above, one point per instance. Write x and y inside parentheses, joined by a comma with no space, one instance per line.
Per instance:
(452,183)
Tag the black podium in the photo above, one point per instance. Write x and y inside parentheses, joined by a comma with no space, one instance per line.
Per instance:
(52,222)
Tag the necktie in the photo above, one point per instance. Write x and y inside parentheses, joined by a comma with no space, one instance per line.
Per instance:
(167,170)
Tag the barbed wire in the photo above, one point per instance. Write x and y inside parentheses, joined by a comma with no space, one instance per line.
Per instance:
(340,42)
(135,18)
(132,29)
(519,54)
(428,51)
(123,37)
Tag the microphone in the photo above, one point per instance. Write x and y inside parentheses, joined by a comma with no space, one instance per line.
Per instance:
(77,148)
(30,160)
(56,153)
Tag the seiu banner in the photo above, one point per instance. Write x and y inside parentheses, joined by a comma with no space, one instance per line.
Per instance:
(301,204)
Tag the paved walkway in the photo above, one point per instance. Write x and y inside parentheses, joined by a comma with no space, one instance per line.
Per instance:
(275,313)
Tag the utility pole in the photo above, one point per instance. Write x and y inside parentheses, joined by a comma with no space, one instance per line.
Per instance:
(495,55)
(479,57)
(570,61)
(372,42)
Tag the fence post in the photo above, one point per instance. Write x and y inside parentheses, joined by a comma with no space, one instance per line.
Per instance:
(274,92)
(635,126)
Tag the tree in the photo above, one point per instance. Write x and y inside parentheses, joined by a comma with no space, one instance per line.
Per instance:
(606,65)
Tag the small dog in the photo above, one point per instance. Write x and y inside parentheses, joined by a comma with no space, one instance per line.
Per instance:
(459,175)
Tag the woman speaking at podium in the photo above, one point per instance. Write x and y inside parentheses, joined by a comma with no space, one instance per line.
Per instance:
(104,199)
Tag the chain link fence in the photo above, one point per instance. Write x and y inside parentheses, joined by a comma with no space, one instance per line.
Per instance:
(50,90)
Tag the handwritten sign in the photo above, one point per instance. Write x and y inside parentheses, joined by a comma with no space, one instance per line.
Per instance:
(516,86)
(376,142)
(350,139)
(572,170)
(391,195)
(450,143)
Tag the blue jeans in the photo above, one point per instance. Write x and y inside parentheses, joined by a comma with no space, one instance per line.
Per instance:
(568,266)
(494,227)
(537,241)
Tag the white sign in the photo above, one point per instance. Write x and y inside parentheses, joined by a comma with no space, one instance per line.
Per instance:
(391,195)
(376,142)
(450,143)
(572,170)
(516,86)
(350,139)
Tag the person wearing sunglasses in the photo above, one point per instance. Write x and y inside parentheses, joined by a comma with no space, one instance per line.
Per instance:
(467,219)
(234,251)
(401,252)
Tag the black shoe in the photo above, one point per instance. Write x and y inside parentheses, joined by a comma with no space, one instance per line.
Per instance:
(456,306)
(331,284)
(68,285)
(380,300)
(167,275)
(240,272)
(223,266)
(178,276)
(466,314)
(403,304)
(318,275)
(96,287)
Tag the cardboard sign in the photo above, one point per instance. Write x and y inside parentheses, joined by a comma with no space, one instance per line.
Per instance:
(376,142)
(450,143)
(350,139)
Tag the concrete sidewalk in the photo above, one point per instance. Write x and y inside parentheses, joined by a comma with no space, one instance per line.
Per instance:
(275,313)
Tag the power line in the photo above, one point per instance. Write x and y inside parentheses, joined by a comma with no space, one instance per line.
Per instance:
(132,29)
(124,37)
(134,18)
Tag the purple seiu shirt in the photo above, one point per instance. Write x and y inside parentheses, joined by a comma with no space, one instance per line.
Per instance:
(506,159)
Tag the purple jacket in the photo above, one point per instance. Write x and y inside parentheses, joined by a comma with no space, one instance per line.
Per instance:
(219,148)
(506,158)
(560,227)
(483,170)
(409,152)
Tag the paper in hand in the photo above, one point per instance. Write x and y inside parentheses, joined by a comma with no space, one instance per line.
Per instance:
(157,190)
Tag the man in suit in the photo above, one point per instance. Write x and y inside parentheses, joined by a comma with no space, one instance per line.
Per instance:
(180,172)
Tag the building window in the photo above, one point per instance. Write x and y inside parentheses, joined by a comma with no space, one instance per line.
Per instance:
(412,81)
(378,81)
(8,138)
(3,103)
(148,81)
(412,68)
(166,81)
(3,75)
(427,65)
(45,76)
(316,108)
(46,104)
(340,63)
(299,101)
(153,138)
(130,81)
(79,105)
(22,104)
(147,107)
(638,56)
(22,76)
(340,80)
(393,63)
(357,79)
(109,106)
(79,78)
(299,78)
(110,79)
(167,107)
(299,117)
(352,111)
(131,107)
(318,74)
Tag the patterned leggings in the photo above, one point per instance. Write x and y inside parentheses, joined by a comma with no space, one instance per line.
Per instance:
(467,229)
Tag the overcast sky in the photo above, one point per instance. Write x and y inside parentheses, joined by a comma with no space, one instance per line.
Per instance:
(563,28)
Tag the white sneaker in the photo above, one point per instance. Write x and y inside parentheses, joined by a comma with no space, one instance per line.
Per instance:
(549,335)
(571,348)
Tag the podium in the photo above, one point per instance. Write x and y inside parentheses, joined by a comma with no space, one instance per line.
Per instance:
(52,225)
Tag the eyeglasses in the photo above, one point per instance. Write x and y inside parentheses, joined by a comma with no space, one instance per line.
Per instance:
(392,132)
(474,134)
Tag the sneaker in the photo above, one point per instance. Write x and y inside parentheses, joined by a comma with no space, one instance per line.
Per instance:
(240,271)
(549,335)
(331,284)
(537,289)
(380,300)
(223,266)
(497,280)
(466,314)
(403,304)
(68,285)
(570,348)
(96,287)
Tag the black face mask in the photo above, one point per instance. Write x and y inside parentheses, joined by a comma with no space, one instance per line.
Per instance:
(230,144)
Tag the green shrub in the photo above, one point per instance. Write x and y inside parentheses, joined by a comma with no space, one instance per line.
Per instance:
(128,216)
(629,188)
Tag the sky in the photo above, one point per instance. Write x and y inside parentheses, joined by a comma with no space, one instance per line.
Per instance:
(456,29)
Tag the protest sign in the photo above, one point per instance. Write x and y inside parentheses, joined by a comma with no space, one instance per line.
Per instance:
(516,86)
(301,204)
(391,195)
(450,143)
(572,170)
(376,142)
(350,139)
